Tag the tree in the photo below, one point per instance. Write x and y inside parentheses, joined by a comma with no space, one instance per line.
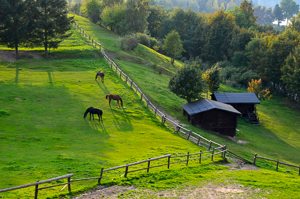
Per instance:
(246,7)
(289,8)
(53,23)
(212,79)
(137,12)
(92,9)
(278,15)
(264,15)
(255,87)
(173,45)
(187,83)
(155,18)
(218,36)
(295,23)
(16,22)
(109,3)
(231,5)
(113,17)
(76,8)
(291,72)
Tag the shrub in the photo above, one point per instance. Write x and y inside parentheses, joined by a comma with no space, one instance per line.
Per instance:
(143,39)
(128,43)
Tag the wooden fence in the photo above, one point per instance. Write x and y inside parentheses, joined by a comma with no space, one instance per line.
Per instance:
(188,157)
(178,128)
(277,161)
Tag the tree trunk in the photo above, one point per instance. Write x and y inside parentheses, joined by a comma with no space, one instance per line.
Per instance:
(172,59)
(17,52)
(46,36)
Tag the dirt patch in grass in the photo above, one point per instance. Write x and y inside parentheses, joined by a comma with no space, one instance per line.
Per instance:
(209,190)
(10,55)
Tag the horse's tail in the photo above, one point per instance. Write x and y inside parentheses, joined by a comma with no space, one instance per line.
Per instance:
(121,101)
(106,97)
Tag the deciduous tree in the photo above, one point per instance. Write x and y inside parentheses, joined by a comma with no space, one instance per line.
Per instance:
(212,79)
(187,83)
(114,17)
(289,8)
(256,87)
(173,45)
(278,15)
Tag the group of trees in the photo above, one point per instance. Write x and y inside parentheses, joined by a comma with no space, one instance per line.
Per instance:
(33,23)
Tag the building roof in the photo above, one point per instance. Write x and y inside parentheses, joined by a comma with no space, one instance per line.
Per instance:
(237,98)
(203,105)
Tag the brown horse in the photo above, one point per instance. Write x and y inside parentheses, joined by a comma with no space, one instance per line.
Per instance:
(100,74)
(114,97)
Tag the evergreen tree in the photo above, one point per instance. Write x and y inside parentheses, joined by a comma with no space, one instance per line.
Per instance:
(173,45)
(53,23)
(16,22)
(278,14)
(187,83)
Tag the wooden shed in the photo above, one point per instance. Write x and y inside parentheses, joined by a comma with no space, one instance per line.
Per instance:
(243,102)
(212,115)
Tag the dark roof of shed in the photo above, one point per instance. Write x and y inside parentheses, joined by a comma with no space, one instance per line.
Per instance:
(203,105)
(237,98)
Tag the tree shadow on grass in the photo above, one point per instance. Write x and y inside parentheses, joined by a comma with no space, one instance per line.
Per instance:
(103,87)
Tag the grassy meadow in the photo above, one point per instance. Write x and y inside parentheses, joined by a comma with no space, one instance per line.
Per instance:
(43,134)
(276,137)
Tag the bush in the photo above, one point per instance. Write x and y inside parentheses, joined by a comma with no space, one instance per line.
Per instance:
(239,59)
(129,43)
(143,39)
(238,77)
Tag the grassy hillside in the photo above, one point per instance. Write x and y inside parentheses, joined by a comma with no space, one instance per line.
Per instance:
(276,137)
(42,130)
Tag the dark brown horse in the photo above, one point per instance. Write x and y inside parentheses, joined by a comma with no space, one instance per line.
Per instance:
(114,97)
(100,74)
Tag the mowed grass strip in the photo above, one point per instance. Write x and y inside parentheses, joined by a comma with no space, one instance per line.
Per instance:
(42,131)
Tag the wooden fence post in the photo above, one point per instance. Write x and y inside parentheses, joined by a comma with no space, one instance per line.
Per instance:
(189,134)
(92,42)
(277,165)
(120,74)
(212,154)
(126,78)
(111,65)
(198,141)
(147,103)
(155,111)
(36,190)
(299,170)
(254,161)
(69,184)
(148,166)
(200,157)
(187,158)
(126,170)
(131,83)
(142,97)
(89,38)
(225,151)
(100,177)
(209,145)
(170,158)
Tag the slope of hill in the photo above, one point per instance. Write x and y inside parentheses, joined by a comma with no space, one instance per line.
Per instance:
(42,130)
(276,137)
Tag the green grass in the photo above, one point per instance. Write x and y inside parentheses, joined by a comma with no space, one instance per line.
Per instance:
(43,133)
(276,137)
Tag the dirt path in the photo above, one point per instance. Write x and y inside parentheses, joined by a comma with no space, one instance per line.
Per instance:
(10,55)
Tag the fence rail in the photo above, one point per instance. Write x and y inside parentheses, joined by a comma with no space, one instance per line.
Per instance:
(222,151)
(278,162)
(144,98)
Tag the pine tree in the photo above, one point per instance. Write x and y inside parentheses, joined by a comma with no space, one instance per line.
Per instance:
(53,23)
(15,23)
(278,14)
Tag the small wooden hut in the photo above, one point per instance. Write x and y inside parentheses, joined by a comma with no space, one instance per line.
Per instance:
(243,102)
(212,115)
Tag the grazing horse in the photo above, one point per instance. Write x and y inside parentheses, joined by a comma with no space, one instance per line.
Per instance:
(100,74)
(93,111)
(114,97)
